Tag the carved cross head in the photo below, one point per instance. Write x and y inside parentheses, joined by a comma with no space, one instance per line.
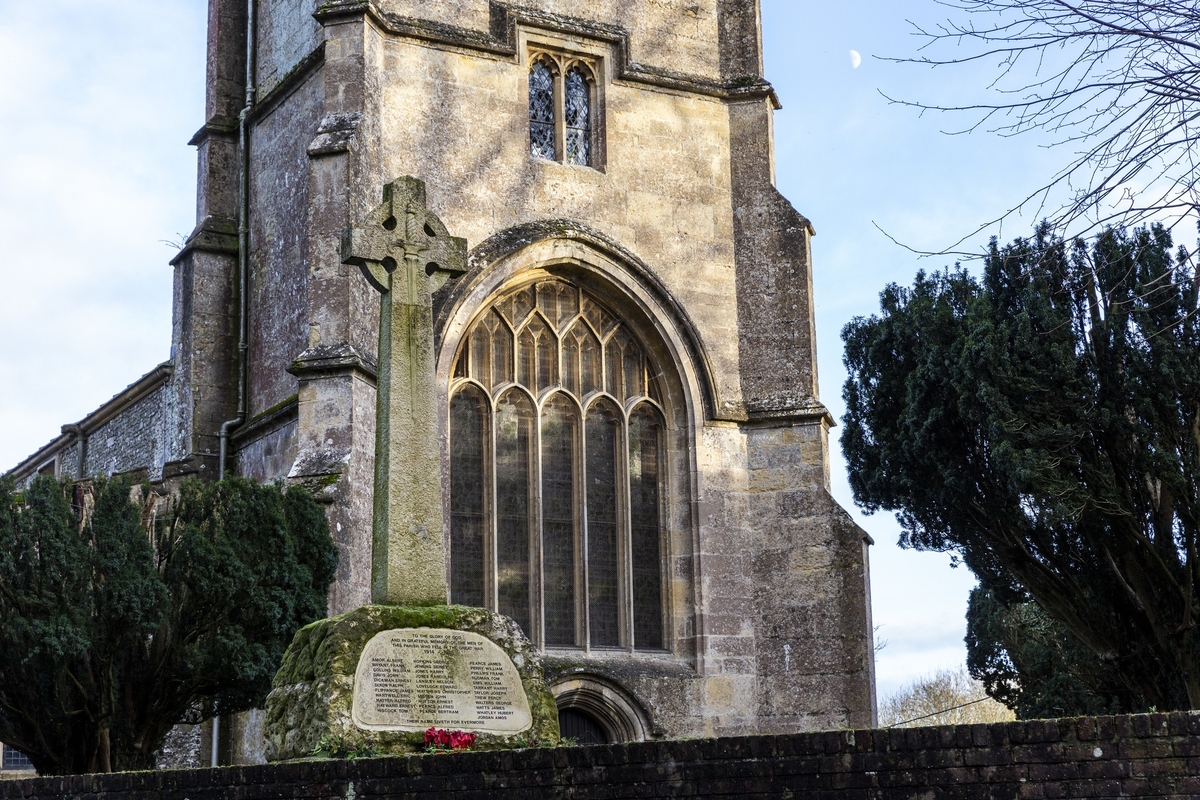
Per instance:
(404,237)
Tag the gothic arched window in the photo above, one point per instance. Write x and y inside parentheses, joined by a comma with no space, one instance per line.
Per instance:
(541,112)
(562,110)
(557,440)
(578,103)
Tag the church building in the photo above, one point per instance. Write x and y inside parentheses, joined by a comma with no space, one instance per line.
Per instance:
(634,459)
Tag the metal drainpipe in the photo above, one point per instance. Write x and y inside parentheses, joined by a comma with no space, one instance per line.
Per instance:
(243,234)
(216,742)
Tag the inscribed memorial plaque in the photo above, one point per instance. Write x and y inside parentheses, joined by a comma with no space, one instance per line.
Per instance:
(412,679)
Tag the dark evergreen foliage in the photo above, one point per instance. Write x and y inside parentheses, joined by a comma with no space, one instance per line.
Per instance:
(1033,664)
(1043,422)
(121,619)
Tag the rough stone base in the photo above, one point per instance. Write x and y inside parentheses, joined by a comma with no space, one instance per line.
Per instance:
(181,750)
(309,708)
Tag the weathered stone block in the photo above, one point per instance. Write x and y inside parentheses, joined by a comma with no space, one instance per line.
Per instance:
(313,696)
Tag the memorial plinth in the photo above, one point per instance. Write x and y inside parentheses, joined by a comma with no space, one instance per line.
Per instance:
(380,676)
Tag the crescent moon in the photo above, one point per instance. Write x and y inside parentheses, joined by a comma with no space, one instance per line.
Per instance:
(855,59)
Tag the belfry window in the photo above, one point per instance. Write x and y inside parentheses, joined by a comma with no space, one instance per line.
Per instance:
(562,111)
(557,442)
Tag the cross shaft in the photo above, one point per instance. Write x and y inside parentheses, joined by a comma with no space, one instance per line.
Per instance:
(406,253)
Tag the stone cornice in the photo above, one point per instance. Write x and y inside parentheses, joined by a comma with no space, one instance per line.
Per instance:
(294,78)
(217,126)
(44,454)
(268,421)
(192,464)
(132,394)
(213,235)
(501,40)
(335,133)
(808,411)
(341,359)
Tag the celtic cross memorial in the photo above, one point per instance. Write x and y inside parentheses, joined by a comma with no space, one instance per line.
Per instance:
(407,254)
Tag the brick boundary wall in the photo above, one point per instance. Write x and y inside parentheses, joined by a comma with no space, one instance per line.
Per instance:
(1150,755)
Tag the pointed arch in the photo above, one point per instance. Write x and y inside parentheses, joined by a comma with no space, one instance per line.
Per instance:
(498,260)
(606,448)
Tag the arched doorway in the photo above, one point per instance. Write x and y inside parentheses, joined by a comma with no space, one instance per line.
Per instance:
(581,727)
(595,710)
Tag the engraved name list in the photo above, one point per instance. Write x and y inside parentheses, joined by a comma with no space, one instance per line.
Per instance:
(413,679)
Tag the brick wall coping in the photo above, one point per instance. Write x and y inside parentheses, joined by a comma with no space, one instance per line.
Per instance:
(1150,755)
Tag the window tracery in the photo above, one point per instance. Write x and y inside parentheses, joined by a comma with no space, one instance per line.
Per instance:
(562,110)
(556,450)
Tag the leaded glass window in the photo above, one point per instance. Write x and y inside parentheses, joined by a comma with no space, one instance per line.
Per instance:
(516,436)
(577,102)
(645,450)
(541,112)
(604,570)
(468,415)
(557,447)
(562,110)
(15,760)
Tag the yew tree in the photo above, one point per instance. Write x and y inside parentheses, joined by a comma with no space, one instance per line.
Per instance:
(1042,422)
(123,613)
(1035,666)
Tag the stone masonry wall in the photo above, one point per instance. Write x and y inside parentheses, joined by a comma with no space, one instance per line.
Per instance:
(807,570)
(1153,755)
(664,192)
(279,330)
(134,439)
(68,461)
(664,35)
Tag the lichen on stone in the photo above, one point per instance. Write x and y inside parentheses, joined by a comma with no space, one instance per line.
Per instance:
(313,693)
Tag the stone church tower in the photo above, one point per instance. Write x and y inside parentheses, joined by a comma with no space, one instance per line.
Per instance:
(634,457)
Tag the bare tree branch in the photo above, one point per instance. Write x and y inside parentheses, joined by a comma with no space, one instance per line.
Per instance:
(1115,83)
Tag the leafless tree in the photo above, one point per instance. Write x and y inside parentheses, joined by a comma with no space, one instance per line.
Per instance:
(947,697)
(1115,82)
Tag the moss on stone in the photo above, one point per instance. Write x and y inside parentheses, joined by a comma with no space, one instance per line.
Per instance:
(277,407)
(326,481)
(313,692)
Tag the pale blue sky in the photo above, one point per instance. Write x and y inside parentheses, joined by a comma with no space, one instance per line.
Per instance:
(99,98)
